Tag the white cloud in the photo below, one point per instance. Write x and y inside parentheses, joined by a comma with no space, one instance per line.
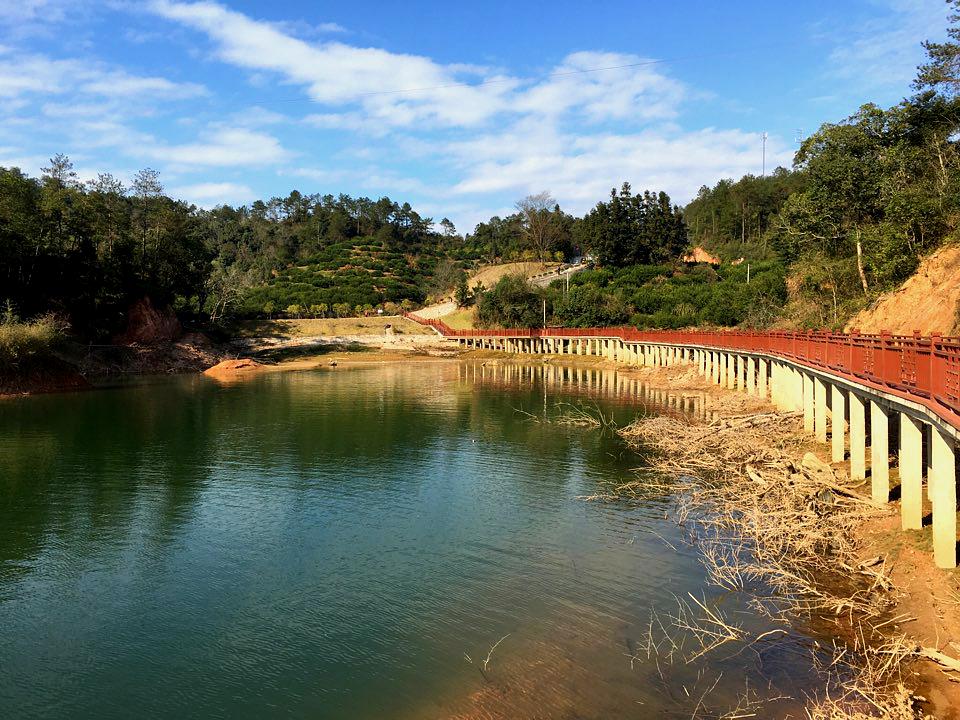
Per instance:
(631,89)
(885,51)
(219,147)
(337,73)
(212,194)
(580,170)
(34,74)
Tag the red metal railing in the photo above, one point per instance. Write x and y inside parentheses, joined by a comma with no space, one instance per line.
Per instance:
(923,369)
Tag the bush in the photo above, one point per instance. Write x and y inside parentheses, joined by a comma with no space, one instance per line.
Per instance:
(512,302)
(22,341)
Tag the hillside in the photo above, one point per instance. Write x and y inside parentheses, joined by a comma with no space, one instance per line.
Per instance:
(352,275)
(927,301)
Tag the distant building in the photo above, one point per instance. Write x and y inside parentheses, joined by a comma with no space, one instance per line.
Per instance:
(699,255)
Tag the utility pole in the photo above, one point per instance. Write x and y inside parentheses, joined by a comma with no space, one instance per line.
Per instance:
(764,153)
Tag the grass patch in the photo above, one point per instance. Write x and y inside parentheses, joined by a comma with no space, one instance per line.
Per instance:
(461,319)
(22,341)
(319,327)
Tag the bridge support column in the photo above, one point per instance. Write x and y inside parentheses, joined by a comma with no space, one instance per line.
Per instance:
(943,496)
(718,368)
(879,452)
(820,409)
(731,378)
(809,408)
(911,473)
(762,379)
(858,437)
(751,376)
(838,450)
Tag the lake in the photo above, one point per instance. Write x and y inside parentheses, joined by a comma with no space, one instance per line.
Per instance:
(403,541)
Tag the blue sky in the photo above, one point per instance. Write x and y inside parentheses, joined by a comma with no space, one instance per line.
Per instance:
(459,108)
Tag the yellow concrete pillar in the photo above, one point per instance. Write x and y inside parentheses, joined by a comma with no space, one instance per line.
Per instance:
(763,381)
(742,372)
(858,437)
(731,371)
(911,473)
(820,409)
(809,408)
(879,452)
(943,496)
(838,425)
(752,375)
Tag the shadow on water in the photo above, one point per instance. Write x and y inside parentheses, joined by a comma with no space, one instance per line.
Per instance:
(337,544)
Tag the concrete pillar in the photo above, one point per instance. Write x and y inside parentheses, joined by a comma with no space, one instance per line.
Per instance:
(742,372)
(838,449)
(911,473)
(763,380)
(879,452)
(751,375)
(943,496)
(858,437)
(820,409)
(808,403)
(731,371)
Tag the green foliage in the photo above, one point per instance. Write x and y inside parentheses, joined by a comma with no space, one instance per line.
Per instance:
(632,229)
(942,70)
(24,341)
(664,296)
(512,302)
(733,219)
(587,305)
(462,293)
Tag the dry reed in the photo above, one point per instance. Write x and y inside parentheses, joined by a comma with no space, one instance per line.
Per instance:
(783,530)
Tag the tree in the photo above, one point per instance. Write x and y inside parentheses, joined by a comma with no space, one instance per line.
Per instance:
(537,222)
(512,302)
(942,70)
(462,293)
(633,229)
(448,228)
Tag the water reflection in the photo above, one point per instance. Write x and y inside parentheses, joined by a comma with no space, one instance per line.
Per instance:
(332,544)
(617,388)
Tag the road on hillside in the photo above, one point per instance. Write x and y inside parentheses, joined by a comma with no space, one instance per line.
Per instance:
(435,312)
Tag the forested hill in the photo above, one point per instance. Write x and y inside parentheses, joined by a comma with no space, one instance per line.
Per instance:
(867,199)
(87,251)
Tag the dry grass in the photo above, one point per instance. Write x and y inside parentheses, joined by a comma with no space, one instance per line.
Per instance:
(460,319)
(330,327)
(21,341)
(574,415)
(783,530)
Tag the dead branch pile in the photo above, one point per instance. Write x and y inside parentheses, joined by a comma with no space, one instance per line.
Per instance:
(783,530)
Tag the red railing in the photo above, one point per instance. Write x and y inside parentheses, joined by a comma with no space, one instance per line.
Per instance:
(923,369)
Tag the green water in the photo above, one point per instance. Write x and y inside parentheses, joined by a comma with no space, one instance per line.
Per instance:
(336,544)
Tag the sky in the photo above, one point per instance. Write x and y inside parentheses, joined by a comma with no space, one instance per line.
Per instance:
(459,108)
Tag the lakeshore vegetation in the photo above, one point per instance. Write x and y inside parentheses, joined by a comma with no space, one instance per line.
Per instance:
(866,199)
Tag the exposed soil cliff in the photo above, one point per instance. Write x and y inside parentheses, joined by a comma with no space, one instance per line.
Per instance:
(149,325)
(927,301)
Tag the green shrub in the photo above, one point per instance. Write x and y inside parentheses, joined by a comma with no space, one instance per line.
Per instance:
(22,341)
